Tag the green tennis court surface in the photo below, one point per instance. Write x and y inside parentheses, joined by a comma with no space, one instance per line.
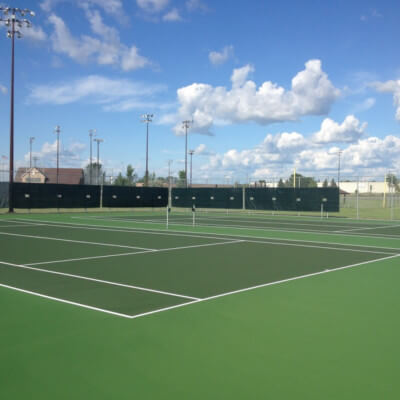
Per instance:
(115,305)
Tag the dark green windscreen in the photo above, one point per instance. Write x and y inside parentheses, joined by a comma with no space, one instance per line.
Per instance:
(290,199)
(131,196)
(48,195)
(208,197)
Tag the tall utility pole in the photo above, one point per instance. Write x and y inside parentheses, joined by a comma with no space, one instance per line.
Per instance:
(169,182)
(11,20)
(57,131)
(31,139)
(191,152)
(147,118)
(92,132)
(186,125)
(338,174)
(98,141)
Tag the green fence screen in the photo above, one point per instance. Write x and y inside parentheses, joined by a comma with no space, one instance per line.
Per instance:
(130,196)
(3,194)
(207,197)
(47,195)
(290,199)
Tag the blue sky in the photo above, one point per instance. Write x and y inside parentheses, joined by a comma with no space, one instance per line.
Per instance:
(269,85)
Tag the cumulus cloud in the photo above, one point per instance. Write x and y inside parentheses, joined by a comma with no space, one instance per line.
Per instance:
(172,16)
(112,94)
(70,155)
(106,49)
(3,89)
(283,151)
(350,130)
(112,7)
(221,57)
(152,6)
(392,87)
(196,5)
(311,93)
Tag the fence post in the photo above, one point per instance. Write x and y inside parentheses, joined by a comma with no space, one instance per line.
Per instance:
(357,199)
(244,197)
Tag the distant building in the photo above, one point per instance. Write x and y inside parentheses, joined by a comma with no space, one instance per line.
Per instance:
(363,187)
(68,176)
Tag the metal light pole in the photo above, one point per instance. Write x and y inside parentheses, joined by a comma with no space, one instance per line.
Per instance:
(147,118)
(57,131)
(11,19)
(186,125)
(98,141)
(31,139)
(92,132)
(339,154)
(191,152)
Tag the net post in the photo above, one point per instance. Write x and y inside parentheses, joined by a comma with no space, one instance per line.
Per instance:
(168,209)
(322,210)
(194,214)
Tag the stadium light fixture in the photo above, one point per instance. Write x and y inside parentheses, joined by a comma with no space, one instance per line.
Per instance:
(10,16)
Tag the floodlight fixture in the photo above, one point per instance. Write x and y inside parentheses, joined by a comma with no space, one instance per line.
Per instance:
(10,16)
(147,118)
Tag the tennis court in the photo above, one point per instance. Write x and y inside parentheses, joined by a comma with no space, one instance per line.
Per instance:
(131,267)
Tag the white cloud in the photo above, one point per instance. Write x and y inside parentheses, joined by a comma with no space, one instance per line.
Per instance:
(284,151)
(367,104)
(311,94)
(393,87)
(152,6)
(172,16)
(70,155)
(218,58)
(202,150)
(113,95)
(196,5)
(3,89)
(348,132)
(112,7)
(105,50)
(34,33)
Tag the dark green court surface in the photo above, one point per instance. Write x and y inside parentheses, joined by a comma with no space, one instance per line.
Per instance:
(118,305)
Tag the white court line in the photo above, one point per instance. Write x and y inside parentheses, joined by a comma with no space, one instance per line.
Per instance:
(138,252)
(261,286)
(219,236)
(124,229)
(364,229)
(65,301)
(143,289)
(198,300)
(75,241)
(18,226)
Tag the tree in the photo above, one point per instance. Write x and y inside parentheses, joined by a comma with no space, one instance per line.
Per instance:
(131,176)
(127,180)
(393,181)
(94,174)
(181,179)
(333,183)
(281,184)
(301,181)
(325,183)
